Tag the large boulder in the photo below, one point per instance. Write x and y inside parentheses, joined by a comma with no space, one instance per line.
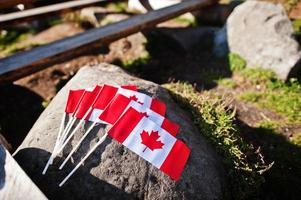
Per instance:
(113,171)
(262,33)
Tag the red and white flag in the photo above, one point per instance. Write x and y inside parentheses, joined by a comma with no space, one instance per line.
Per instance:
(87,101)
(151,142)
(74,98)
(121,103)
(105,96)
(147,101)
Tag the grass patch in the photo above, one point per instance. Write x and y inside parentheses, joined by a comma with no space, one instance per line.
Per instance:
(257,75)
(9,40)
(236,62)
(216,122)
(297,26)
(249,96)
(226,82)
(269,124)
(276,95)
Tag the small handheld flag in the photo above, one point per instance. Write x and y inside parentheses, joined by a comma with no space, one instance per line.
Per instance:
(136,120)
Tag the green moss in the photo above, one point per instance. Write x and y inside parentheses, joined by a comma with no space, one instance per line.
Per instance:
(297,26)
(236,62)
(216,122)
(226,82)
(269,124)
(249,96)
(9,41)
(257,75)
(278,96)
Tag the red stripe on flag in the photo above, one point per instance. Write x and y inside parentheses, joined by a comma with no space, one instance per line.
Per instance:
(175,161)
(158,106)
(130,87)
(125,125)
(114,110)
(171,127)
(105,97)
(87,102)
(74,98)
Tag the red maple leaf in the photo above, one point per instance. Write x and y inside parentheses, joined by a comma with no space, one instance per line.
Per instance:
(151,141)
(133,97)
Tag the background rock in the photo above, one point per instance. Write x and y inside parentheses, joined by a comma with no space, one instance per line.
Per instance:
(114,172)
(262,33)
(14,183)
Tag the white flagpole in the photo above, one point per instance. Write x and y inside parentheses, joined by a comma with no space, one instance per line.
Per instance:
(102,139)
(67,130)
(73,132)
(72,120)
(64,142)
(50,160)
(62,134)
(69,124)
(77,145)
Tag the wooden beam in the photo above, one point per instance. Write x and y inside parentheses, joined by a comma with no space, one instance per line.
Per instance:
(21,16)
(28,62)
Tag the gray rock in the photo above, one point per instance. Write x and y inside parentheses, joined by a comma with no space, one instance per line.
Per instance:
(262,33)
(14,183)
(113,171)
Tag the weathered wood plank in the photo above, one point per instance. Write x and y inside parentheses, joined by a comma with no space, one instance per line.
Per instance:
(14,183)
(25,63)
(21,16)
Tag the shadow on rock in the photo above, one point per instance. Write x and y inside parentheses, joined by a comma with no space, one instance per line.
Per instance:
(82,185)
(19,108)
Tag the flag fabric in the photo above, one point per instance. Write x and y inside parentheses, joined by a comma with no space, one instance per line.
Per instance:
(152,103)
(87,101)
(121,103)
(137,121)
(144,137)
(74,98)
(106,95)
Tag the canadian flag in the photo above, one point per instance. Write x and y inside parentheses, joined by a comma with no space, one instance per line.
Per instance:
(121,103)
(147,101)
(144,137)
(87,101)
(105,96)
